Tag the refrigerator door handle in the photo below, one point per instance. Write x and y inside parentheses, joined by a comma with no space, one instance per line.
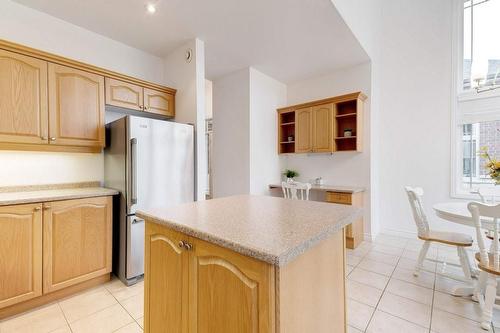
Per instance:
(133,164)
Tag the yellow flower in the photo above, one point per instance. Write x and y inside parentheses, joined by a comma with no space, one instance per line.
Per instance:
(497,164)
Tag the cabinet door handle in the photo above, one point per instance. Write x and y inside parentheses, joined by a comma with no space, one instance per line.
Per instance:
(52,139)
(43,138)
(188,246)
(182,244)
(36,209)
(46,207)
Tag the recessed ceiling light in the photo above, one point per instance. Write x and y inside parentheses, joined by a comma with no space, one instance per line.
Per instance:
(151,8)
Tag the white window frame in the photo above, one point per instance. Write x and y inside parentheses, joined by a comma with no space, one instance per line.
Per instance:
(459,95)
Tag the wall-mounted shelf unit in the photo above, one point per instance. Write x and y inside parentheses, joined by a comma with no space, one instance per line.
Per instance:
(286,132)
(322,126)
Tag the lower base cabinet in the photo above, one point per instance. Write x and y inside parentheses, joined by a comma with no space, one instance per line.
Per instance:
(204,288)
(77,241)
(354,232)
(47,247)
(20,253)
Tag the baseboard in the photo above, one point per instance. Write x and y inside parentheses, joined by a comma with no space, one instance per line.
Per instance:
(399,233)
(368,237)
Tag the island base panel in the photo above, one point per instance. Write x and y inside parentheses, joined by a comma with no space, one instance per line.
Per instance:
(311,292)
(195,286)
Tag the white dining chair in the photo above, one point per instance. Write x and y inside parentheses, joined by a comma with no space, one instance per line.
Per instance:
(459,240)
(296,190)
(488,261)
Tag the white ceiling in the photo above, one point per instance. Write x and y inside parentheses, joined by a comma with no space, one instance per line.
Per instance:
(286,39)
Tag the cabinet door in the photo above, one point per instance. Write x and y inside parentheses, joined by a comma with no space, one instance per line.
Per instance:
(166,281)
(20,253)
(158,102)
(123,94)
(76,241)
(229,292)
(322,128)
(76,107)
(23,99)
(303,126)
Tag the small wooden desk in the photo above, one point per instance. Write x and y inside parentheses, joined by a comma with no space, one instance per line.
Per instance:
(343,195)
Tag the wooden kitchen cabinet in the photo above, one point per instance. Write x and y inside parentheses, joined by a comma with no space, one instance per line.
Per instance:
(124,94)
(158,102)
(23,99)
(192,285)
(354,232)
(191,289)
(220,279)
(166,285)
(76,241)
(322,128)
(76,107)
(303,126)
(20,253)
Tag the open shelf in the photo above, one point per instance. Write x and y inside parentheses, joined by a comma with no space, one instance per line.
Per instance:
(286,129)
(346,115)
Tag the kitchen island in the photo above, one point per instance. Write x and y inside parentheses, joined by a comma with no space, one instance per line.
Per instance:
(246,264)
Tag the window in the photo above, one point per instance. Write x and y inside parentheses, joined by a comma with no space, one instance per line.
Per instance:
(476,100)
(481,49)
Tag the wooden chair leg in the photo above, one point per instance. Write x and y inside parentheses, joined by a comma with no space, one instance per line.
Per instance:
(421,258)
(489,300)
(464,262)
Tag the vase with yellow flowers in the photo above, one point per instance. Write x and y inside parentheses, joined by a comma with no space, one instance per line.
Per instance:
(492,165)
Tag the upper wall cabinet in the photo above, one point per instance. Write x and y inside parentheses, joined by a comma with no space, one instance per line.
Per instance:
(303,143)
(52,103)
(324,126)
(76,107)
(123,94)
(23,99)
(158,102)
(135,97)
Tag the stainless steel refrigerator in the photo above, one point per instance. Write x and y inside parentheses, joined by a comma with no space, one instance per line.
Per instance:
(151,163)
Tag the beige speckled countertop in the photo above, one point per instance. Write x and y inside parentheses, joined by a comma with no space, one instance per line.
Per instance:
(22,197)
(331,188)
(270,229)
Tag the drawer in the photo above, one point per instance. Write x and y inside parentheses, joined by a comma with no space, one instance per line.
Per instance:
(339,197)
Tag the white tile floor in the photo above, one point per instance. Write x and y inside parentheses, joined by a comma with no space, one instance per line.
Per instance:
(383,296)
(112,307)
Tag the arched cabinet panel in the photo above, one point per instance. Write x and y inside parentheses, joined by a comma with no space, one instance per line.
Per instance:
(20,253)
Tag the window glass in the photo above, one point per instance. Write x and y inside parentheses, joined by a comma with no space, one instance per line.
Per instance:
(481,49)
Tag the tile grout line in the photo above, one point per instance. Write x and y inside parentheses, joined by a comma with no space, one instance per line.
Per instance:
(133,319)
(433,295)
(382,295)
(64,315)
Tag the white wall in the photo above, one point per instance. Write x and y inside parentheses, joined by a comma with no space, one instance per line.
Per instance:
(231,134)
(29,27)
(189,80)
(342,168)
(208,99)
(266,95)
(244,150)
(409,43)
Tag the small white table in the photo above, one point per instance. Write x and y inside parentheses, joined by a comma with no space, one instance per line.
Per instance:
(458,212)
